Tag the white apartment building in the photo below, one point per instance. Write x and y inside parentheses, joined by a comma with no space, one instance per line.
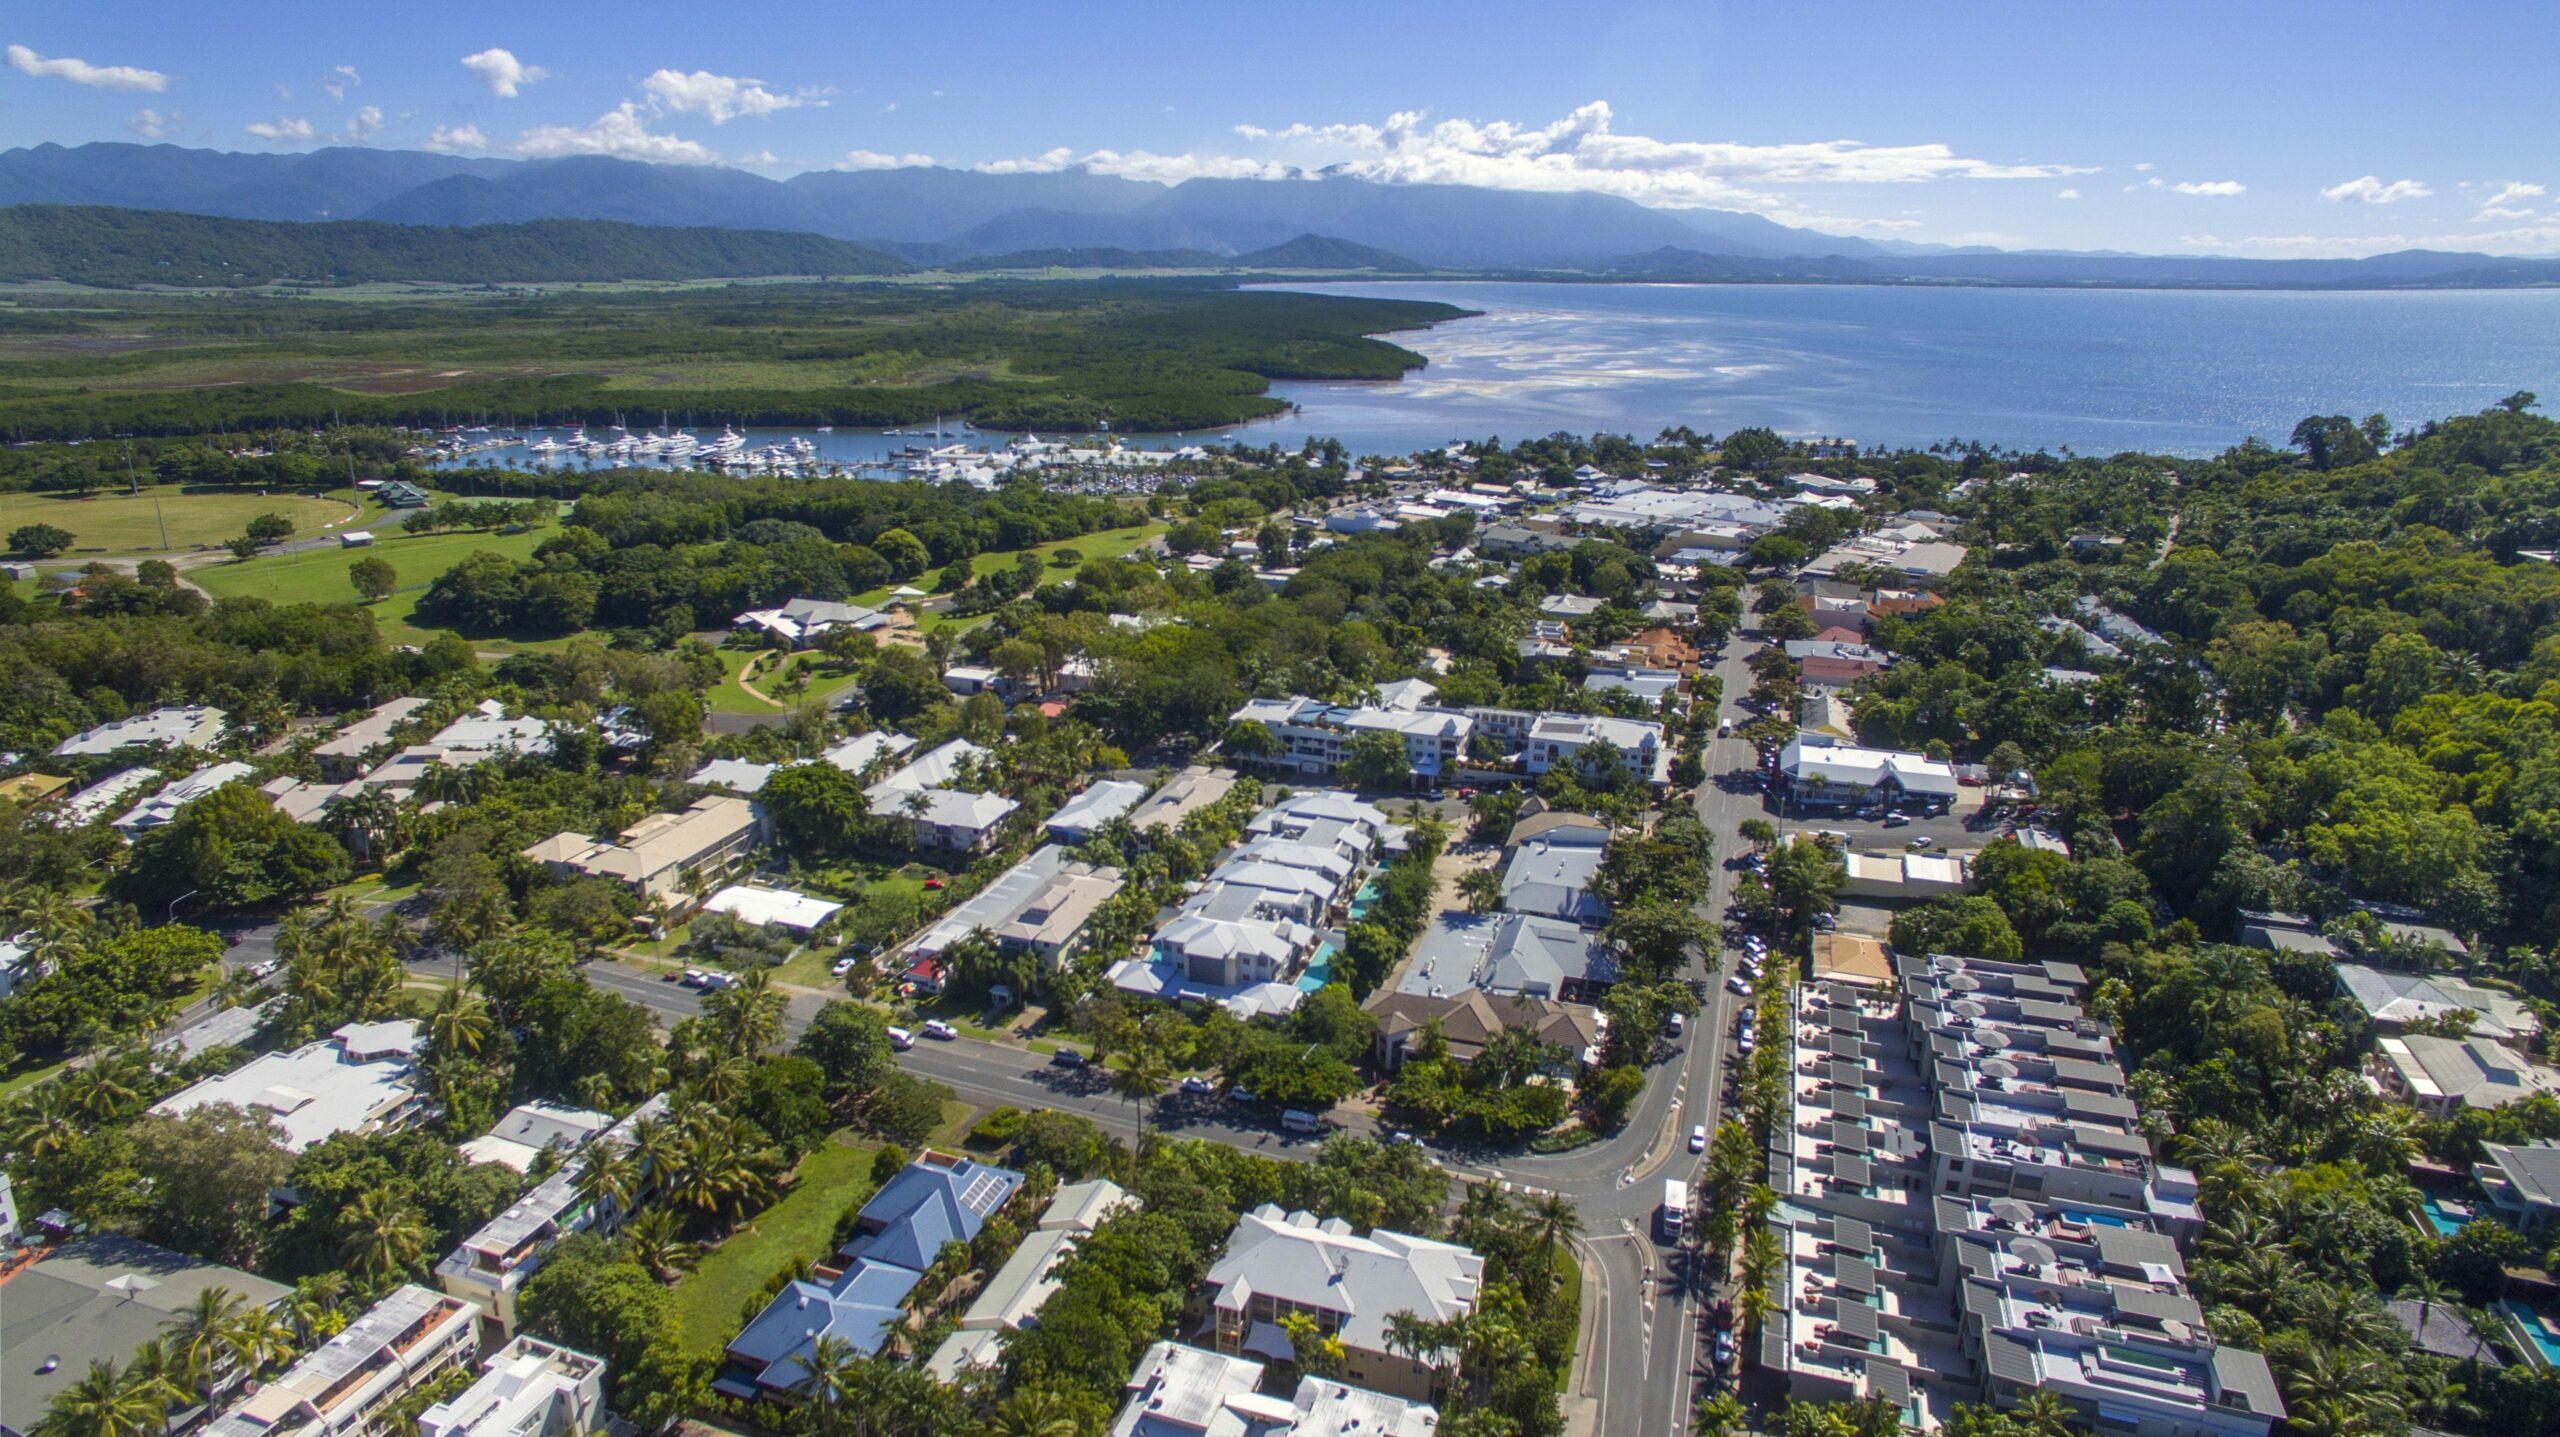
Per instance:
(347,1386)
(530,1388)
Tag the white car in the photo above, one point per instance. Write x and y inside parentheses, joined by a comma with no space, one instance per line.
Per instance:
(1197,1084)
(1675,1025)
(1698,1138)
(1746,1042)
(1917,844)
(936,1028)
(842,966)
(1736,984)
(901,1039)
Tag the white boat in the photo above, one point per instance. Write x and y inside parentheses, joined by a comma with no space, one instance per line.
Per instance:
(729,442)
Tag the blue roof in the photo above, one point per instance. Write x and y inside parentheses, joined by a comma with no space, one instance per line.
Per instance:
(860,1308)
(927,1205)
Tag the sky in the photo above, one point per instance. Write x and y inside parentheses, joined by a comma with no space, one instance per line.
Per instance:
(2258,128)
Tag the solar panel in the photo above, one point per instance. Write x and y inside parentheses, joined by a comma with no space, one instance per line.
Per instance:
(984,1192)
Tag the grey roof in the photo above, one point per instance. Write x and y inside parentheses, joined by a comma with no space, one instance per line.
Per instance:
(2391,996)
(2009,1359)
(1506,953)
(1294,1258)
(2245,1381)
(2129,1248)
(1555,879)
(64,1307)
(1088,811)
(2158,1307)
(2534,1169)
(2441,1328)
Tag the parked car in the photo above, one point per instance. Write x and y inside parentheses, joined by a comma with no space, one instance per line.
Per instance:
(1197,1084)
(693,978)
(1698,1138)
(1240,1094)
(1897,820)
(901,1039)
(842,966)
(1736,984)
(1725,1348)
(936,1028)
(1066,1058)
(1401,1139)
(1675,1025)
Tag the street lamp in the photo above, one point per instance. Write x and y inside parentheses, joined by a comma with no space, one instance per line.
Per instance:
(181,898)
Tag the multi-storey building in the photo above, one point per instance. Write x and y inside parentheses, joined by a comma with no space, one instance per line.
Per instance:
(350,1385)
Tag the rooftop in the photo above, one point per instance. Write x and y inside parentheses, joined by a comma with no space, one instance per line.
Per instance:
(194,726)
(358,1078)
(99,1297)
(1296,1258)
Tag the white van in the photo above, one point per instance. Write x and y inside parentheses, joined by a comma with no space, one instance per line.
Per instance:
(1299,1120)
(1724,728)
(901,1039)
(1675,1207)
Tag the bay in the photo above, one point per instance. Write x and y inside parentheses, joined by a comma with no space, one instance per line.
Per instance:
(2100,371)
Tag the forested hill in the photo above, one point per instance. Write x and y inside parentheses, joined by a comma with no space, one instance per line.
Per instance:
(88,244)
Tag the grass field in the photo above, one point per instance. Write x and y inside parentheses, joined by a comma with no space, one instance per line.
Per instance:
(1101,544)
(319,576)
(834,1177)
(115,523)
(729,696)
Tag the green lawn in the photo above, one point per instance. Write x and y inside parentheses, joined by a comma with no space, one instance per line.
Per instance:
(113,522)
(319,576)
(833,1178)
(729,696)
(1101,544)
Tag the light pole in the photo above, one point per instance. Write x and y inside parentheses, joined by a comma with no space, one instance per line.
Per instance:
(181,898)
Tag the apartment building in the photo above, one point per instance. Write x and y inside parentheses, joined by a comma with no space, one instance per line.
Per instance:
(664,855)
(1969,1214)
(196,726)
(1311,737)
(1824,772)
(1556,740)
(1180,1391)
(530,1388)
(1041,906)
(2440,1077)
(922,796)
(490,1267)
(1279,1262)
(350,1385)
(343,756)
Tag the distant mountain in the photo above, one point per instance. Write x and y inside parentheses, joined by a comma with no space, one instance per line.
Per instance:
(96,245)
(925,203)
(938,216)
(1314,251)
(1093,259)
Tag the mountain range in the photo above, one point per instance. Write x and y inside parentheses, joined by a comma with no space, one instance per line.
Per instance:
(964,218)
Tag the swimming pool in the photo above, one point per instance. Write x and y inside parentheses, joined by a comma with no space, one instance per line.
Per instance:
(2445,1219)
(2536,1328)
(2099,1218)
(1319,972)
(1361,900)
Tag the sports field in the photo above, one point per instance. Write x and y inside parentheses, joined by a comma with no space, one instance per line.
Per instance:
(319,576)
(121,523)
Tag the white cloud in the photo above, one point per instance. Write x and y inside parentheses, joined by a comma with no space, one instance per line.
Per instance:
(364,124)
(874,160)
(2067,194)
(759,159)
(2370,190)
(2145,167)
(152,125)
(454,139)
(2211,187)
(284,128)
(1581,151)
(2508,202)
(622,132)
(722,97)
(81,72)
(502,72)
(342,78)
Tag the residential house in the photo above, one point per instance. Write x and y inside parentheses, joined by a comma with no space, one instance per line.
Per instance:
(1470,1020)
(1280,1263)
(2440,1077)
(1648,684)
(936,815)
(666,855)
(898,1234)
(1907,877)
(1509,953)
(2521,1183)
(1083,816)
(857,754)
(1041,906)
(2391,1000)
(343,756)
(531,1129)
(102,798)
(761,907)
(800,623)
(1014,1293)
(734,775)
(363,1078)
(160,808)
(197,726)
(1834,662)
(349,1385)
(1181,796)
(1551,871)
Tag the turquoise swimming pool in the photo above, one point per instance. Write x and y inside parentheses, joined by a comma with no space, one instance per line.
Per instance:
(1361,900)
(1319,972)
(2098,1218)
(2447,1219)
(2537,1330)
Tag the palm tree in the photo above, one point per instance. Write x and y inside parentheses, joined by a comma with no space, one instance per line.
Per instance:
(155,1372)
(2435,1399)
(385,1234)
(1721,1414)
(1555,1222)
(836,1379)
(608,1182)
(2426,1290)
(315,1307)
(202,1333)
(652,1242)
(259,1340)
(1034,1412)
(460,1023)
(747,1014)
(45,1121)
(105,1090)
(1141,1079)
(2342,1317)
(2045,1414)
(100,1403)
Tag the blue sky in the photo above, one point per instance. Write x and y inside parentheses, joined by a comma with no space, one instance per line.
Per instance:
(2248,128)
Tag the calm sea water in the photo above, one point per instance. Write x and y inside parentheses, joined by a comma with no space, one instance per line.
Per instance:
(2100,371)
(2176,371)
